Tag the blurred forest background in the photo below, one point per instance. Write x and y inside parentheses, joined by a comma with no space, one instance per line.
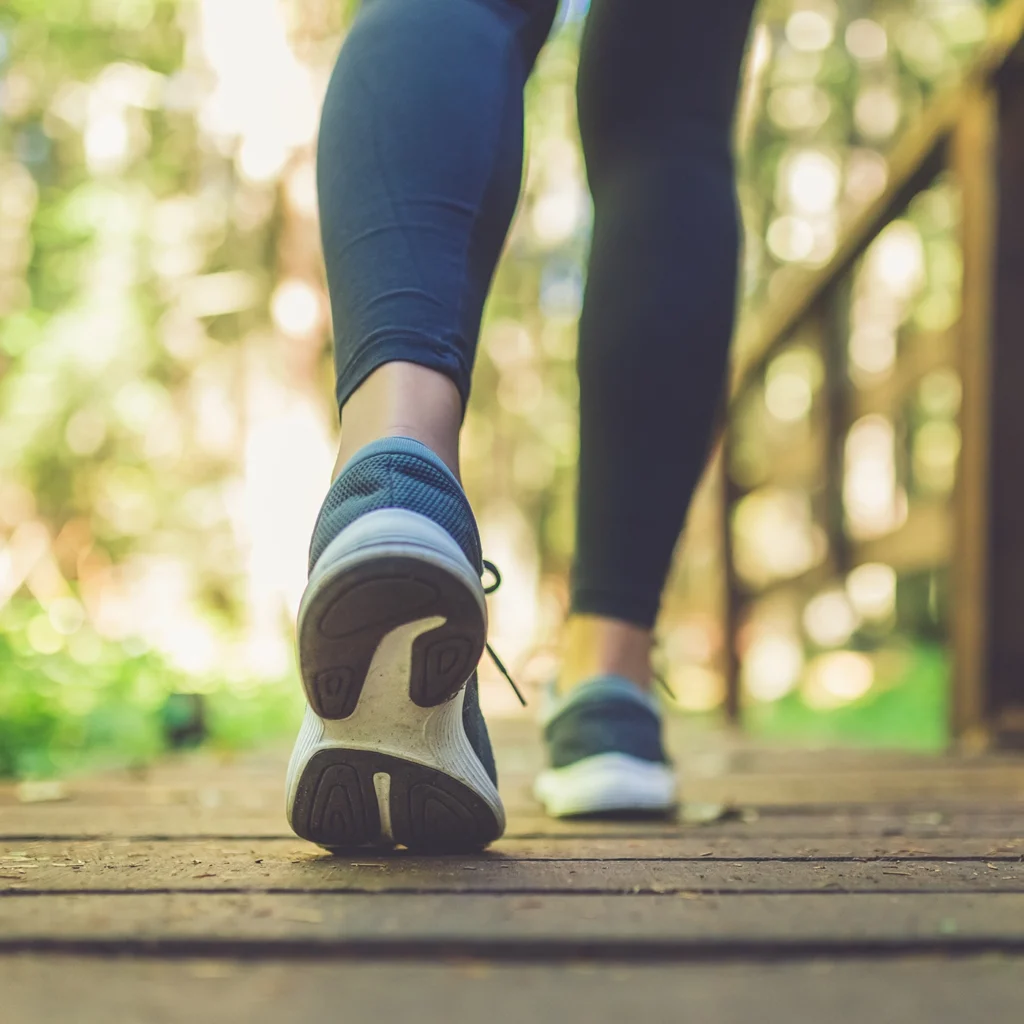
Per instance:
(166,420)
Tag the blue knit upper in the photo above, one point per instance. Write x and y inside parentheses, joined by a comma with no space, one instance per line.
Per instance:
(604,716)
(397,472)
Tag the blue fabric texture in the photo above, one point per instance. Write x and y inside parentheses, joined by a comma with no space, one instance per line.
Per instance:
(607,715)
(397,472)
(419,163)
(476,728)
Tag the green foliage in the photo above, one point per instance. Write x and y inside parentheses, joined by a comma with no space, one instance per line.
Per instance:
(910,712)
(55,711)
(99,456)
(100,704)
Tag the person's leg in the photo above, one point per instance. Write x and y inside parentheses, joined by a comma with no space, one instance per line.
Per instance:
(419,168)
(657,88)
(403,400)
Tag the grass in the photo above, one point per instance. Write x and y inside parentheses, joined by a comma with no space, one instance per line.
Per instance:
(908,709)
(60,715)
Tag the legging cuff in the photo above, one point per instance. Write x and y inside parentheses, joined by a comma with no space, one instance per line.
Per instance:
(403,347)
(628,605)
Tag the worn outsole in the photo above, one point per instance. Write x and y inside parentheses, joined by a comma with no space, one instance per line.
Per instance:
(348,799)
(350,615)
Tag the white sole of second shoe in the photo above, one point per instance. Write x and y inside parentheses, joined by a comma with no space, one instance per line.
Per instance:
(607,784)
(389,632)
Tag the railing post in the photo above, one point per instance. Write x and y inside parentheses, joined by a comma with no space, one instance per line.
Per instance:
(988,622)
(972,157)
(1005,693)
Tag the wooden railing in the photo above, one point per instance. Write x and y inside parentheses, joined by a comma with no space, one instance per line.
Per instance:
(973,132)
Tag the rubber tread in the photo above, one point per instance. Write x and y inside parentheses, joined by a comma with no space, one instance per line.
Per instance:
(431,812)
(349,617)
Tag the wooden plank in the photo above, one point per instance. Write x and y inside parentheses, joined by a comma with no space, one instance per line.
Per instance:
(23,824)
(923,784)
(281,867)
(709,762)
(710,846)
(913,821)
(519,754)
(919,991)
(692,846)
(215,795)
(764,785)
(563,926)
(69,821)
(749,759)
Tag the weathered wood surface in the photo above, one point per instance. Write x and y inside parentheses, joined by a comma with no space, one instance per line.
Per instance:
(534,925)
(204,991)
(730,789)
(278,866)
(857,875)
(932,820)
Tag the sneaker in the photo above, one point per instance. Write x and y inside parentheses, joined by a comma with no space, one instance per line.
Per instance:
(394,749)
(605,750)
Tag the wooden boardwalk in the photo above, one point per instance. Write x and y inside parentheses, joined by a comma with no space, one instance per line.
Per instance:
(829,887)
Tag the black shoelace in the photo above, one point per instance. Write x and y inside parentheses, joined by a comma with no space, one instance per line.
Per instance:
(661,681)
(658,676)
(493,570)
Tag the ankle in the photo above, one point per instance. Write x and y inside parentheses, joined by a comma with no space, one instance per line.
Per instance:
(595,646)
(403,400)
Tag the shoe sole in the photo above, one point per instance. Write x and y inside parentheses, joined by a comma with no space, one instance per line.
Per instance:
(350,798)
(352,608)
(607,784)
(391,627)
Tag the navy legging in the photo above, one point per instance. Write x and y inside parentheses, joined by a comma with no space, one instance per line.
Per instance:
(420,161)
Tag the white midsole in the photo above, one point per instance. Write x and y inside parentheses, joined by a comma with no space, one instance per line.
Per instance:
(604,783)
(385,719)
(389,531)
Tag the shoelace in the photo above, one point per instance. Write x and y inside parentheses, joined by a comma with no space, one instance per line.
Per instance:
(661,681)
(493,570)
(658,678)
(658,674)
